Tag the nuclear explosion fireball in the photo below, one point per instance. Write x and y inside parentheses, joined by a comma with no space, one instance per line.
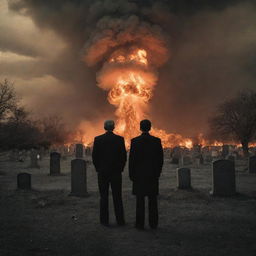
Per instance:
(129,52)
(131,91)
(130,77)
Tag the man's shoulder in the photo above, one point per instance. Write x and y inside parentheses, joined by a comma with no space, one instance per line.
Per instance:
(118,136)
(136,139)
(105,135)
(99,136)
(141,137)
(155,138)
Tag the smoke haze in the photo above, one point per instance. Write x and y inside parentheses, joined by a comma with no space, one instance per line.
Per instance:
(204,53)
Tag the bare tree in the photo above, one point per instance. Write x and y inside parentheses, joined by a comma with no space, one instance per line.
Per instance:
(53,130)
(8,99)
(18,115)
(236,119)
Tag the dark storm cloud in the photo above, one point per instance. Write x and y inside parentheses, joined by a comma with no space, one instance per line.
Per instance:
(212,46)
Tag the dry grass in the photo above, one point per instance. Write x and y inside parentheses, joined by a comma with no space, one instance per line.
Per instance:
(47,221)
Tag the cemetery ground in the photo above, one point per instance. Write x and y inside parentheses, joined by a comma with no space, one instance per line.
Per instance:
(47,221)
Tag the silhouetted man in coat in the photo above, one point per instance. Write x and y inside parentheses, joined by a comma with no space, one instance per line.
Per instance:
(145,166)
(109,158)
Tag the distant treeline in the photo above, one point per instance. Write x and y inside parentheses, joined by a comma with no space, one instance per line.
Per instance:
(19,131)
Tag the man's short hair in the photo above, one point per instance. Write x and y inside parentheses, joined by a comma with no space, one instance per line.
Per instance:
(109,125)
(145,125)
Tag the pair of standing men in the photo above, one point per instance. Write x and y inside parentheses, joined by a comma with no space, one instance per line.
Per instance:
(145,165)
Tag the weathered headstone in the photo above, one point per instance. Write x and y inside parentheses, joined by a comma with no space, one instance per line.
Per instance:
(41,153)
(176,155)
(205,150)
(201,158)
(55,163)
(183,178)
(181,162)
(252,164)
(88,151)
(34,159)
(167,152)
(223,178)
(78,178)
(71,150)
(208,158)
(24,181)
(64,152)
(214,153)
(231,158)
(197,149)
(79,150)
(187,160)
(197,162)
(225,151)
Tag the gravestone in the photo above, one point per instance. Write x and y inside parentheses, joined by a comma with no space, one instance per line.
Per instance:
(34,159)
(41,153)
(55,163)
(223,178)
(225,151)
(78,178)
(183,178)
(252,164)
(187,160)
(197,162)
(181,162)
(176,155)
(167,152)
(201,158)
(88,151)
(214,153)
(24,181)
(197,149)
(79,150)
(71,150)
(64,153)
(21,156)
(231,158)
(208,158)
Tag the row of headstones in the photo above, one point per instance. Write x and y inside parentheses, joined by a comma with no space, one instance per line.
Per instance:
(187,161)
(55,159)
(78,178)
(223,177)
(207,154)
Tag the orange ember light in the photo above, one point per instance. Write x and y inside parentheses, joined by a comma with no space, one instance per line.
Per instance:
(131,92)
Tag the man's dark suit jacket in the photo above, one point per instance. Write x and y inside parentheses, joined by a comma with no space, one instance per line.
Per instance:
(145,164)
(109,154)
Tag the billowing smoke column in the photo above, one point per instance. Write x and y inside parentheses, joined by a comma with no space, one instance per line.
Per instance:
(212,50)
(129,51)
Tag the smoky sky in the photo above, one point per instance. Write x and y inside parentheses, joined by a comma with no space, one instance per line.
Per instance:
(212,47)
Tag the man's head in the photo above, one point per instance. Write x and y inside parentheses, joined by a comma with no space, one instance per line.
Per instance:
(109,125)
(145,125)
